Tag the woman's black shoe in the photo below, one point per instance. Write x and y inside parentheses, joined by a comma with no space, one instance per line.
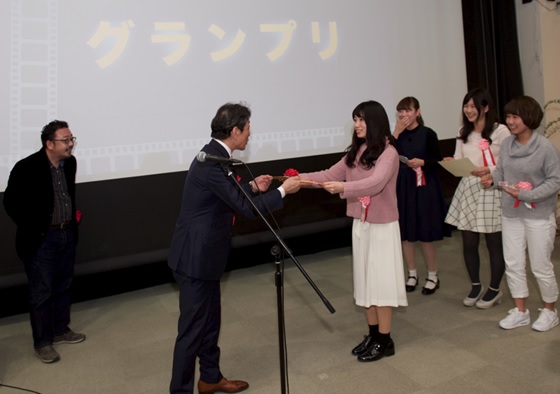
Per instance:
(410,288)
(425,290)
(363,346)
(377,351)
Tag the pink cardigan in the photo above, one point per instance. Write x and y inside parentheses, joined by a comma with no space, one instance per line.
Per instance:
(379,182)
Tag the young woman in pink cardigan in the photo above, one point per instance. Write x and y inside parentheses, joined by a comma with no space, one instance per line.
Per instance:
(366,178)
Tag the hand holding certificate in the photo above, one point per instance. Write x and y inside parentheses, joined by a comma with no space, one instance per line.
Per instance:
(282,178)
(291,172)
(459,167)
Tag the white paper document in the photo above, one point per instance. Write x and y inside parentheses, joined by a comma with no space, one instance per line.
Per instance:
(459,167)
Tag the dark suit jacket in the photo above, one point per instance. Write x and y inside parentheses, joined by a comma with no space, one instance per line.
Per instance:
(29,199)
(201,241)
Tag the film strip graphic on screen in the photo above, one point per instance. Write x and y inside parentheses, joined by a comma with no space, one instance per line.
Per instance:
(33,102)
(307,142)
(33,75)
(179,154)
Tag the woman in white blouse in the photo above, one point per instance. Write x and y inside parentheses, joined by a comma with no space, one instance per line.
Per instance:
(476,210)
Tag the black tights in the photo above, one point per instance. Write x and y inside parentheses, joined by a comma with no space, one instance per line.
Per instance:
(472,258)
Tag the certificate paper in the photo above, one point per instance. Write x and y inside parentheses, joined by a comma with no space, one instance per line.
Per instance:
(459,167)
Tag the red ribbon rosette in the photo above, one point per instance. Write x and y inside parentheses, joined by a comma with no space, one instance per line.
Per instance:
(524,186)
(365,201)
(487,156)
(287,174)
(291,172)
(420,178)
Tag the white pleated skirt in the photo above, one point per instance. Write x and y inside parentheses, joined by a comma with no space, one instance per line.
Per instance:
(378,264)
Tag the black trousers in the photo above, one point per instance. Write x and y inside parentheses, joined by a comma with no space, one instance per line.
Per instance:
(198,333)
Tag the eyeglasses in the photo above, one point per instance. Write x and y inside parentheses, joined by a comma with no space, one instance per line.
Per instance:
(66,141)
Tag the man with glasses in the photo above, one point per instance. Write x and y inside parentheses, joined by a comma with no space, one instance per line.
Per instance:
(40,199)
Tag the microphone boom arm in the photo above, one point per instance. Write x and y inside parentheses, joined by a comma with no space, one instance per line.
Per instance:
(281,242)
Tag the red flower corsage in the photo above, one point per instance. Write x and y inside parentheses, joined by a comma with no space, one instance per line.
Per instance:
(487,156)
(365,201)
(524,186)
(291,172)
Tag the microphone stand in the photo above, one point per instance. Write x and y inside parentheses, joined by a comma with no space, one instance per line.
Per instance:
(279,282)
(279,279)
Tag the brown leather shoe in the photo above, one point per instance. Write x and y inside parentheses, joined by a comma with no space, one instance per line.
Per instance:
(223,386)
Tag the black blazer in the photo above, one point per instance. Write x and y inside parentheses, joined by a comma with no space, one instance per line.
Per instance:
(29,199)
(201,241)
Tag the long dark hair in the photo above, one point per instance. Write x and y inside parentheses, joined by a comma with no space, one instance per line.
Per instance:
(481,99)
(377,133)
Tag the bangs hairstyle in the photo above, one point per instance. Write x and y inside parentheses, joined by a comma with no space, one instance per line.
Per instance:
(411,103)
(527,109)
(377,133)
(481,99)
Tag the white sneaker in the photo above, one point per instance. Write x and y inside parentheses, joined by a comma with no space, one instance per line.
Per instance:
(546,321)
(515,318)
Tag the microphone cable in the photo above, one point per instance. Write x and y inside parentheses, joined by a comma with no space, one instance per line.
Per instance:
(268,210)
(18,388)
(280,258)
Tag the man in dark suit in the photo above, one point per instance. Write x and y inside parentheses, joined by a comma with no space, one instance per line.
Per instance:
(40,198)
(200,248)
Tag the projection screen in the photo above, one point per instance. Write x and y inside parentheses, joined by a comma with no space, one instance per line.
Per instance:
(139,81)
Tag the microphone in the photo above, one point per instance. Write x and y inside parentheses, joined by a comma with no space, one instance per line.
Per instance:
(203,156)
